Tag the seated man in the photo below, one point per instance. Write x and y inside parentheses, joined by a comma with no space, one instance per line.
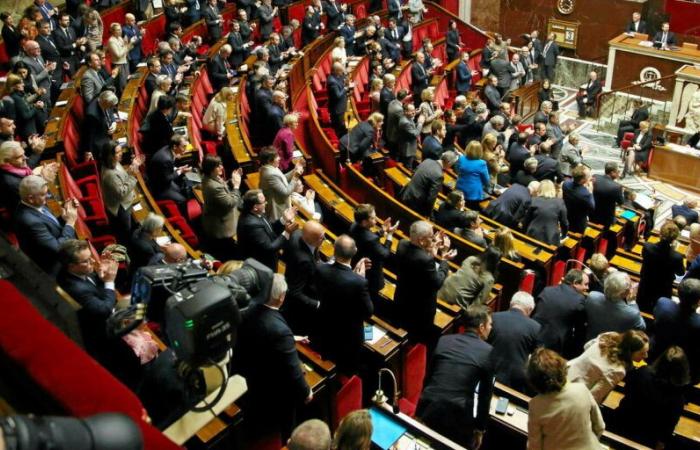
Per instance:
(588,94)
(525,176)
(687,210)
(310,435)
(99,124)
(473,231)
(39,232)
(665,39)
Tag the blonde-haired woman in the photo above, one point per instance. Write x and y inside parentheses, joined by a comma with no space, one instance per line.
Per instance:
(284,141)
(354,432)
(93,30)
(545,218)
(375,92)
(606,359)
(428,111)
(638,151)
(473,175)
(494,157)
(694,246)
(118,47)
(163,85)
(214,120)
(503,240)
(339,53)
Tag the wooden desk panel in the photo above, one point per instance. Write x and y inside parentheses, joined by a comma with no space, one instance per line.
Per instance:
(677,165)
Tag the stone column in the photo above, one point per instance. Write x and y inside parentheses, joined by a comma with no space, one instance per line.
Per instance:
(685,108)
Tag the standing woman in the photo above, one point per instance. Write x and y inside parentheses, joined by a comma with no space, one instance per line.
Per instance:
(428,111)
(375,92)
(27,115)
(93,30)
(546,219)
(660,265)
(453,41)
(214,120)
(118,189)
(563,415)
(33,93)
(545,93)
(473,175)
(606,359)
(119,47)
(284,141)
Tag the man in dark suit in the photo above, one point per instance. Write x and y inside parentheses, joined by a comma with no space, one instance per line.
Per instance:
(549,57)
(421,192)
(310,26)
(194,11)
(219,69)
(212,17)
(526,176)
(10,34)
(615,310)
(347,31)
(38,231)
(640,113)
(156,130)
(164,179)
(153,65)
(345,305)
(578,198)
(68,46)
(100,123)
(363,140)
(548,168)
(301,256)
(386,95)
(510,207)
(368,245)
(334,14)
(463,83)
(636,25)
(514,337)
(517,153)
(407,133)
(503,71)
(460,363)
(542,116)
(337,98)
(390,49)
(259,238)
(664,37)
(560,311)
(420,274)
(589,95)
(394,7)
(266,356)
(661,263)
(607,194)
(420,77)
(492,94)
(239,48)
(432,143)
(686,210)
(679,324)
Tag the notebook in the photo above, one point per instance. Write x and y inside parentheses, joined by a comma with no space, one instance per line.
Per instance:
(385,431)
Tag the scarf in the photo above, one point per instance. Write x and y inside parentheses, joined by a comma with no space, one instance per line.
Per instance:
(19,171)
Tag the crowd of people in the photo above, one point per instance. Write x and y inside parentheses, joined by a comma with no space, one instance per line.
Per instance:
(532,177)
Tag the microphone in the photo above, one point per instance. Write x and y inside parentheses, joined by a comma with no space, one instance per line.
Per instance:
(380,398)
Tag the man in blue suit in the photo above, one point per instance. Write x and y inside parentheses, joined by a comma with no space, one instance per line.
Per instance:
(133,33)
(337,99)
(39,232)
(464,75)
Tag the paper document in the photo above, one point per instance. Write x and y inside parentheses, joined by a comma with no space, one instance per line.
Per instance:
(61,103)
(163,240)
(377,334)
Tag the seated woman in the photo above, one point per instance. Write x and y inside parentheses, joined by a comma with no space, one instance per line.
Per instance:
(600,268)
(654,399)
(143,247)
(546,219)
(606,359)
(451,215)
(163,85)
(503,240)
(214,120)
(563,415)
(638,152)
(354,432)
(473,281)
(545,95)
(473,175)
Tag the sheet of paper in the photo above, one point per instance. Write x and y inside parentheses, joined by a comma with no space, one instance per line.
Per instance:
(163,240)
(377,334)
(61,103)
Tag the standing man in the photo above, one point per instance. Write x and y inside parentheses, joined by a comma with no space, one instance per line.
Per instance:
(213,20)
(460,363)
(578,198)
(421,192)
(492,94)
(337,88)
(369,246)
(345,305)
(132,33)
(267,357)
(421,269)
(464,75)
(518,73)
(548,58)
(68,46)
(407,136)
(420,77)
(607,194)
(589,95)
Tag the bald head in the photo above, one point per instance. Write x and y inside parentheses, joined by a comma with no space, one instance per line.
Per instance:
(344,249)
(174,253)
(312,233)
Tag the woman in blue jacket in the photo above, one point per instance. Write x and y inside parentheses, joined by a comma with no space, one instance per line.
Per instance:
(473,175)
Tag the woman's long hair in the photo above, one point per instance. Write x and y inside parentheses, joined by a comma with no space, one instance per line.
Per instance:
(619,347)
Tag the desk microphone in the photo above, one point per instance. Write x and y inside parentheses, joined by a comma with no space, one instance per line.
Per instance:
(380,398)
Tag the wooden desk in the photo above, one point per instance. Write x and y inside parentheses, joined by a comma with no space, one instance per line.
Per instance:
(627,59)
(676,164)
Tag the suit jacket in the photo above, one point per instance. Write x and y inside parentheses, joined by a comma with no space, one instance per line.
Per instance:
(368,246)
(670,38)
(217,72)
(524,178)
(276,60)
(420,193)
(493,97)
(640,28)
(674,327)
(211,18)
(560,311)
(118,189)
(540,117)
(239,53)
(546,220)
(503,71)
(645,144)
(418,280)
(449,217)
(394,7)
(386,96)
(593,88)
(393,116)
(95,127)
(156,132)
(549,56)
(660,264)
(579,203)
(25,115)
(459,363)
(302,300)
(12,39)
(361,140)
(514,337)
(390,49)
(41,75)
(260,239)
(267,357)
(510,208)
(431,148)
(334,15)
(452,42)
(143,250)
(161,172)
(129,31)
(64,40)
(607,194)
(690,215)
(92,84)
(194,10)
(604,315)
(277,188)
(49,49)
(420,78)
(464,77)
(219,212)
(40,237)
(407,137)
(348,34)
(310,28)
(548,168)
(337,94)
(345,305)
(516,156)
(639,115)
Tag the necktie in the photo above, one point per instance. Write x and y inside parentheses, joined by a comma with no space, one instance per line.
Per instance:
(267,224)
(48,214)
(546,49)
(663,40)
(196,4)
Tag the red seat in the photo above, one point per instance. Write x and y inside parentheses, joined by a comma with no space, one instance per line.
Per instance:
(557,273)
(360,11)
(185,230)
(603,246)
(527,283)
(348,399)
(413,375)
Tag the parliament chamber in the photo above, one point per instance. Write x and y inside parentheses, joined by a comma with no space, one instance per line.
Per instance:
(350,224)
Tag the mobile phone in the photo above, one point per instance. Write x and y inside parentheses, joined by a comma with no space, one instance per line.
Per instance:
(502,405)
(369,332)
